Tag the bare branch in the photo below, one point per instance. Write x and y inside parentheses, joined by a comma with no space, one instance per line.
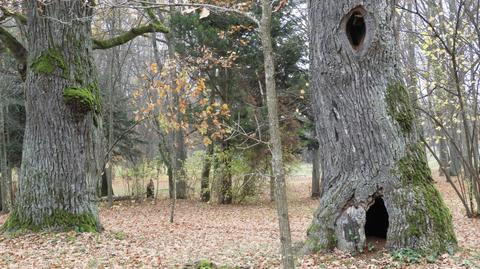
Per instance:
(146,4)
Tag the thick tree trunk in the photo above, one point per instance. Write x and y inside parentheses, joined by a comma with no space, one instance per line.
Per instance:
(371,158)
(315,172)
(60,165)
(275,136)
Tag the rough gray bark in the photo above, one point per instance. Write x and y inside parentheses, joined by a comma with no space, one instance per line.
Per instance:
(315,172)
(369,142)
(60,165)
(275,136)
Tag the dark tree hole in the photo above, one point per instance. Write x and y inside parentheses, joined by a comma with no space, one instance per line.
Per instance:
(377,220)
(356,29)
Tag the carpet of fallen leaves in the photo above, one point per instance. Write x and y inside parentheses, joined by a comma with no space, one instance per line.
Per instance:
(139,235)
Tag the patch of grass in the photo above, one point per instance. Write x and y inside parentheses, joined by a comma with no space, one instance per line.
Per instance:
(119,235)
(93,263)
(407,255)
(205,264)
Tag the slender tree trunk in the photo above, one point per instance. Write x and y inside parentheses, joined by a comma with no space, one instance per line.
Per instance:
(455,158)
(370,147)
(443,153)
(4,183)
(170,181)
(225,175)
(61,150)
(275,137)
(111,91)
(315,173)
(177,135)
(173,134)
(174,182)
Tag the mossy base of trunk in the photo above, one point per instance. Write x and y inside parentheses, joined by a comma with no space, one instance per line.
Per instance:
(431,216)
(58,221)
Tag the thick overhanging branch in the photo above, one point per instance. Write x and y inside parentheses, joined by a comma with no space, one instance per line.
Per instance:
(127,36)
(16,48)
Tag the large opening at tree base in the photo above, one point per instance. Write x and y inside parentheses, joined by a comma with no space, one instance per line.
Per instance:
(377,220)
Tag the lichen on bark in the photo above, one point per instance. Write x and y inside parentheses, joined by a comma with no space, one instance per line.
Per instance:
(49,61)
(399,106)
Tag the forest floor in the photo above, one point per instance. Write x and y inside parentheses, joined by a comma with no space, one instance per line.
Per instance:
(139,235)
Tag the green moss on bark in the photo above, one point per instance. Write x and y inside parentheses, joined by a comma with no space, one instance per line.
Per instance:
(314,244)
(127,36)
(399,106)
(59,221)
(49,61)
(83,99)
(433,219)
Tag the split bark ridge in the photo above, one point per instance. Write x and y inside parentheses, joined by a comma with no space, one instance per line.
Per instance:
(375,172)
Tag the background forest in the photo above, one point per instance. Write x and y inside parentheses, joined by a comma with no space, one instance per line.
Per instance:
(186,168)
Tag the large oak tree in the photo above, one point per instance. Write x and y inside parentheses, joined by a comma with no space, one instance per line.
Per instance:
(376,180)
(62,147)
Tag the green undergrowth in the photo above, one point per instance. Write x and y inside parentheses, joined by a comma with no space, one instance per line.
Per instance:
(411,256)
(58,221)
(206,264)
(407,255)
